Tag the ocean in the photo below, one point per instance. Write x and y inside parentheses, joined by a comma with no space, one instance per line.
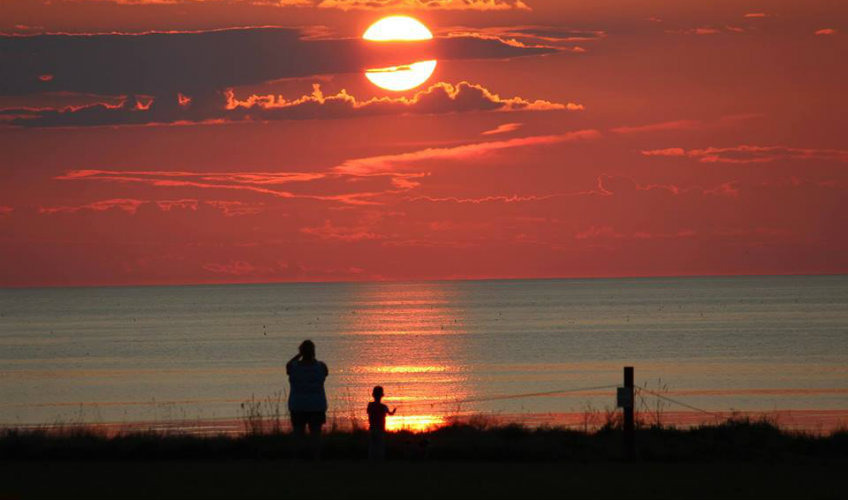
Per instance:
(529,351)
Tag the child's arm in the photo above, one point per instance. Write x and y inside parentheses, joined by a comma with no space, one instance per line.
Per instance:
(392,412)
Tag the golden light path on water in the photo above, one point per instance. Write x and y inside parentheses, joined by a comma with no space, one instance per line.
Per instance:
(404,341)
(402,77)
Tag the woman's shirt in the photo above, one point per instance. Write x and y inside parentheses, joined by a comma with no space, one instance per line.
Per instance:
(307,386)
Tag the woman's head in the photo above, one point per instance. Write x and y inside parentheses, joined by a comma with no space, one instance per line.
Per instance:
(307,350)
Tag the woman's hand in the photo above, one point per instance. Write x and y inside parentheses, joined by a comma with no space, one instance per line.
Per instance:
(296,357)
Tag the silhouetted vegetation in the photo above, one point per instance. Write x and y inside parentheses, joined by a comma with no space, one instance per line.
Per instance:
(477,439)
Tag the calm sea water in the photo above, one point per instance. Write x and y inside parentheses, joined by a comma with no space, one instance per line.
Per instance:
(160,354)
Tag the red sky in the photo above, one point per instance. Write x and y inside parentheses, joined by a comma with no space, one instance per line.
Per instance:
(556,138)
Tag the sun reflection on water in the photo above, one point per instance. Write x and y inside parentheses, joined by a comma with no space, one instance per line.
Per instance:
(412,342)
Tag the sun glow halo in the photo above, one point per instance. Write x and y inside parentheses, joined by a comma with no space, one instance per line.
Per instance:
(399,29)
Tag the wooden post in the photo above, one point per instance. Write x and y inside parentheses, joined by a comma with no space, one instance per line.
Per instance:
(629,425)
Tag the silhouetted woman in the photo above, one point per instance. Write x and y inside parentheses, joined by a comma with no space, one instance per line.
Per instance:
(307,400)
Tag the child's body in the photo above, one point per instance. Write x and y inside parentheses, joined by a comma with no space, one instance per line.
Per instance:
(377,412)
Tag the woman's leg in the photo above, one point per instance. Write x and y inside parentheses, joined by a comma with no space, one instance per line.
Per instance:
(315,428)
(298,424)
(299,431)
(315,424)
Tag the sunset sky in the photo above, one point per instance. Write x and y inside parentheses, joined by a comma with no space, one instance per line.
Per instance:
(223,141)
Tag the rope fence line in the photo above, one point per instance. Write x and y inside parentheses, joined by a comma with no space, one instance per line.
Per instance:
(557,392)
(507,396)
(675,401)
(458,402)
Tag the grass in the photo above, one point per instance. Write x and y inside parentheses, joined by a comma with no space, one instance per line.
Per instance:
(476,439)
(477,458)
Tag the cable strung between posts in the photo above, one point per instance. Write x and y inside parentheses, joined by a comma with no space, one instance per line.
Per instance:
(511,396)
(681,403)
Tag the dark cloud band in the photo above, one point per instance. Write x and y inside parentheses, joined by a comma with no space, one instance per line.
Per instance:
(196,62)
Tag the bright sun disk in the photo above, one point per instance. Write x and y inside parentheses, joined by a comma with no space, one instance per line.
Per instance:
(399,29)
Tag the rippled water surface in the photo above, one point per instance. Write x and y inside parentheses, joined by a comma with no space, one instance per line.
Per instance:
(439,348)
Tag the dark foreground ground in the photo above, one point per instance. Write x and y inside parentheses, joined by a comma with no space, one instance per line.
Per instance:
(734,459)
(403,480)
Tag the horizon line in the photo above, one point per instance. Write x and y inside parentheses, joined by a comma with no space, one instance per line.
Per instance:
(431,280)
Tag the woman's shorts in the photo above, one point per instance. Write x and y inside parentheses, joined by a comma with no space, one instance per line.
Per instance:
(300,418)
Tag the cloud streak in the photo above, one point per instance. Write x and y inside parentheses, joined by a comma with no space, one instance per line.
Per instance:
(225,106)
(389,163)
(480,5)
(132,206)
(745,154)
(387,175)
(503,128)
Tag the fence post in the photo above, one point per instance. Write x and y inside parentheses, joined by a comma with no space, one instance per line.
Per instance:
(629,425)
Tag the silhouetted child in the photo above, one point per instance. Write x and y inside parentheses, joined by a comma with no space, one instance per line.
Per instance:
(377,412)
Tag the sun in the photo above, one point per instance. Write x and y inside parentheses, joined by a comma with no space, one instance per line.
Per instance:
(400,78)
(399,29)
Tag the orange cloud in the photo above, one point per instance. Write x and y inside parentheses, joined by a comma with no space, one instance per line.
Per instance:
(490,199)
(502,129)
(662,126)
(389,163)
(386,167)
(235,208)
(131,206)
(265,183)
(529,36)
(724,121)
(826,31)
(328,231)
(439,98)
(696,31)
(424,4)
(665,152)
(752,154)
(480,5)
(707,30)
(274,3)
(127,205)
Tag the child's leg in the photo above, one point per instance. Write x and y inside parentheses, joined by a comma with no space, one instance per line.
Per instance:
(377,446)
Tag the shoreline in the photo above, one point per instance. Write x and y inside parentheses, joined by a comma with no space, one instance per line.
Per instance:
(820,422)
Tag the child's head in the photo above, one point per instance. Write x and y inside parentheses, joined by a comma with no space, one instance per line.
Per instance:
(377,393)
